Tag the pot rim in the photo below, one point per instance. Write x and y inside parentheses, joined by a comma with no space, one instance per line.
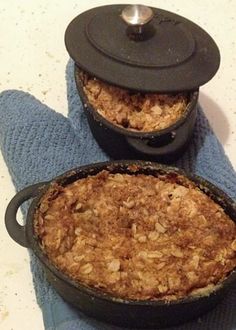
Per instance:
(207,187)
(193,96)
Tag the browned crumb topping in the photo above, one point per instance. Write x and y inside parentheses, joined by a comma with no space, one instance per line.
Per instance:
(137,236)
(134,111)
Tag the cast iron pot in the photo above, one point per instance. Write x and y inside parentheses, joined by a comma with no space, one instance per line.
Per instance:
(128,313)
(165,145)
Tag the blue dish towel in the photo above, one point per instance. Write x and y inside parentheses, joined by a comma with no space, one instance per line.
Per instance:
(38,143)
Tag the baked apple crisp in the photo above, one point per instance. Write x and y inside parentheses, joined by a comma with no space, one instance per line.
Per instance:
(137,236)
(131,110)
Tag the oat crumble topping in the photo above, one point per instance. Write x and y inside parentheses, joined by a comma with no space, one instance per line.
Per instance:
(137,236)
(134,111)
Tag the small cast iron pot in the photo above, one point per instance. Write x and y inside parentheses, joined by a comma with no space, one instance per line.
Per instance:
(164,145)
(128,313)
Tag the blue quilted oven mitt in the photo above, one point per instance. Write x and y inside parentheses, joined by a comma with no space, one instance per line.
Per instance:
(38,144)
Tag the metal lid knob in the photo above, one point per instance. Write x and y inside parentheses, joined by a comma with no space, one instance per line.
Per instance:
(137,14)
(137,17)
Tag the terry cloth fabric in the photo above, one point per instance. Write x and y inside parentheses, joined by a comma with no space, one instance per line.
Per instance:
(38,144)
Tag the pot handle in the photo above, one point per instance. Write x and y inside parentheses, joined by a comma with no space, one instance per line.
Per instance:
(142,146)
(15,230)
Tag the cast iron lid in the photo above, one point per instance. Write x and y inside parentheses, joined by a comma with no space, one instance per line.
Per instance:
(141,48)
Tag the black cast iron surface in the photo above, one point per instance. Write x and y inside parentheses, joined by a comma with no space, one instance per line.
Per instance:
(176,55)
(128,313)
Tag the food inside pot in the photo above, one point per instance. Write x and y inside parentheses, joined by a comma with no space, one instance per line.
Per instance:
(137,236)
(134,111)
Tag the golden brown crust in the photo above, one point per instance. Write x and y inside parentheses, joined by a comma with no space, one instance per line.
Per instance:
(134,111)
(137,236)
